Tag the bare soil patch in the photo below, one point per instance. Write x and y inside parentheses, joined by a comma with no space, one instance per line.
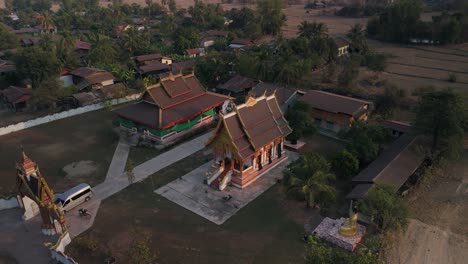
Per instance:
(2,4)
(80,168)
(87,137)
(438,232)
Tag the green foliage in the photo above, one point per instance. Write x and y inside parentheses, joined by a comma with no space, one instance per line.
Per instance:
(365,141)
(244,22)
(135,41)
(348,73)
(345,164)
(206,16)
(104,50)
(358,36)
(452,77)
(441,115)
(9,41)
(300,121)
(386,208)
(329,72)
(186,38)
(37,64)
(49,92)
(398,23)
(388,101)
(318,252)
(271,16)
(140,251)
(308,179)
(376,62)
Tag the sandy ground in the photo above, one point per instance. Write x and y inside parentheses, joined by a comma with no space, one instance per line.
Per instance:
(438,232)
(2,3)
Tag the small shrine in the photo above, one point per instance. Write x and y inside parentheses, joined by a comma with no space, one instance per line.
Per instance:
(344,232)
(35,196)
(248,142)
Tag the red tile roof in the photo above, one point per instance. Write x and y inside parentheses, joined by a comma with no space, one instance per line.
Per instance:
(334,103)
(254,125)
(195,51)
(16,95)
(178,98)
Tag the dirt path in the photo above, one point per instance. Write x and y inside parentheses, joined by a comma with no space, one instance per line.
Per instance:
(438,232)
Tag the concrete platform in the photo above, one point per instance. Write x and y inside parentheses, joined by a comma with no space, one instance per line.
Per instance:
(190,192)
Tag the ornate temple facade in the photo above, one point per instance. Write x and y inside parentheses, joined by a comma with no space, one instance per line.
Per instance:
(35,196)
(247,142)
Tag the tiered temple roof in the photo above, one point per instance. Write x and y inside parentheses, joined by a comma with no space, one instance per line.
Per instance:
(253,125)
(174,99)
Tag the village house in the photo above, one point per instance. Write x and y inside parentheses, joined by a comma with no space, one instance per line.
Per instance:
(393,167)
(247,142)
(237,86)
(239,43)
(81,48)
(152,58)
(197,52)
(89,79)
(333,112)
(342,45)
(210,37)
(16,98)
(154,69)
(183,67)
(396,128)
(175,106)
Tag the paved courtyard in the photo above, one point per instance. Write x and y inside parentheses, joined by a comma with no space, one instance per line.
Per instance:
(190,192)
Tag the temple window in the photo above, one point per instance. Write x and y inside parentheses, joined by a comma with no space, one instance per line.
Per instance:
(247,164)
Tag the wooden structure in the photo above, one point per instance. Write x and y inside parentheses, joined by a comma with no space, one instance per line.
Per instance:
(333,112)
(247,142)
(32,184)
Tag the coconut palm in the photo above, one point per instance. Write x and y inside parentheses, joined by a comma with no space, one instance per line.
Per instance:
(312,30)
(357,35)
(316,188)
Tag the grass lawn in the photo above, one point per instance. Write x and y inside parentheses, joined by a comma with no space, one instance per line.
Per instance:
(323,145)
(268,230)
(86,137)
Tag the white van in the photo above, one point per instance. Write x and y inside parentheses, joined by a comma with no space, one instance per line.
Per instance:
(74,197)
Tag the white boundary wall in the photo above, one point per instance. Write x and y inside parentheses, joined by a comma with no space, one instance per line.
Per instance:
(57,116)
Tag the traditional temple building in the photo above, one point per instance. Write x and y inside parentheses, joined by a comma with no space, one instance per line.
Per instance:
(176,105)
(35,195)
(247,142)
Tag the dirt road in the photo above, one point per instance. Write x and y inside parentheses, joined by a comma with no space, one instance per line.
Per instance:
(438,232)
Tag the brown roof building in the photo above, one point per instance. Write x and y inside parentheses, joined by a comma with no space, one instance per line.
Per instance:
(247,142)
(152,58)
(393,167)
(171,108)
(91,78)
(333,112)
(16,97)
(286,97)
(238,85)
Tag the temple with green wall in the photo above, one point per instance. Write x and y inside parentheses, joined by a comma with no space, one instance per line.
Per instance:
(173,107)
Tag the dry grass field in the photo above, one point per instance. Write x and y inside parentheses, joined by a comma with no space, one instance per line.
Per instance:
(417,66)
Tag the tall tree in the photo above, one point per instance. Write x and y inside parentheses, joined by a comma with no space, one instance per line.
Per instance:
(272,18)
(300,121)
(386,208)
(358,36)
(441,115)
(37,64)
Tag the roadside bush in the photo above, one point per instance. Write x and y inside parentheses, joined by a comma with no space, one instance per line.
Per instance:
(452,77)
(376,62)
(345,164)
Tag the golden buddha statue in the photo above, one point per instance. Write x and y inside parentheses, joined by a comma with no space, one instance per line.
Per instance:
(349,227)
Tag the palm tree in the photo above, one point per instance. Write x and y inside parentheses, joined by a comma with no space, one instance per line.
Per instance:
(314,188)
(312,30)
(357,35)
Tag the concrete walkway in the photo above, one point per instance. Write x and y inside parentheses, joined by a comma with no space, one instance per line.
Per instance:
(190,192)
(117,179)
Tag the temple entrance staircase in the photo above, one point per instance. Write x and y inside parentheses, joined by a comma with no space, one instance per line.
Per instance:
(222,180)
